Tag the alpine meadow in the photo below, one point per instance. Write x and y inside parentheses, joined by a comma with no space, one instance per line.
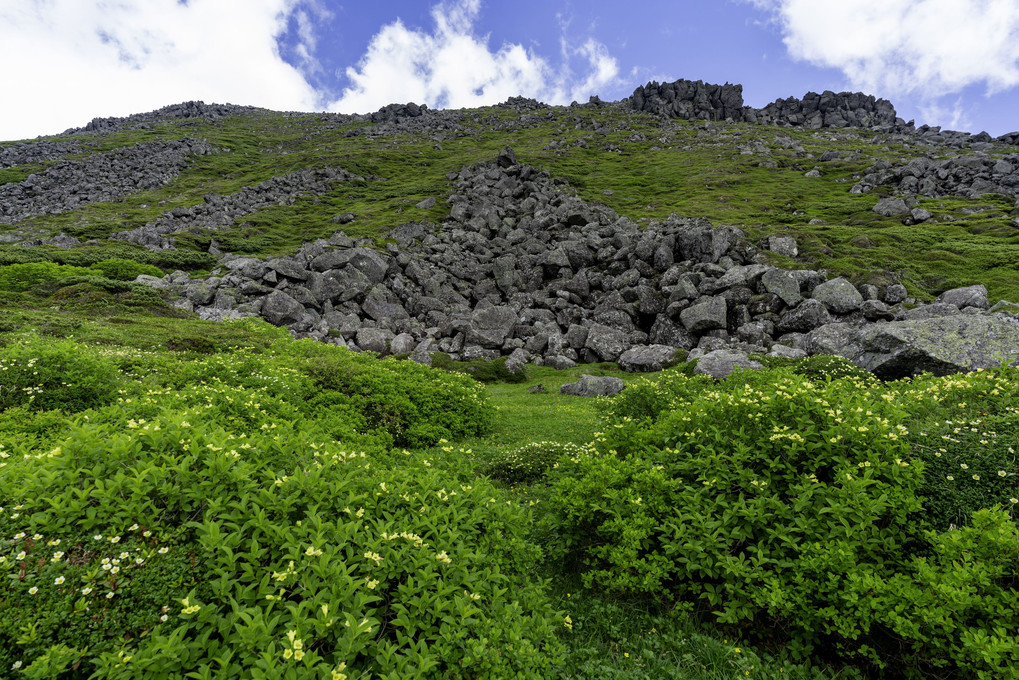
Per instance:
(666,387)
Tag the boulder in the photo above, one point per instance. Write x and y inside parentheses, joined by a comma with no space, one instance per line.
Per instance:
(594,386)
(941,346)
(721,362)
(890,207)
(374,339)
(490,326)
(839,339)
(783,245)
(806,317)
(838,295)
(784,284)
(647,358)
(607,342)
(970,296)
(280,309)
(708,314)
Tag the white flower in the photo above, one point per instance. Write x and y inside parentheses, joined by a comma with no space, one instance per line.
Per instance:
(163,551)
(109,595)
(33,590)
(86,590)
(58,580)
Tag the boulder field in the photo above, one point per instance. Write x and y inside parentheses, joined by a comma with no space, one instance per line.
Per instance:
(523,268)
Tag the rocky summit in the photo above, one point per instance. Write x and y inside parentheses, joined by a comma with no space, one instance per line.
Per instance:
(675,224)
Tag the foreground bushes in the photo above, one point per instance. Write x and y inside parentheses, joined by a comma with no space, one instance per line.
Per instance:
(797,505)
(212,522)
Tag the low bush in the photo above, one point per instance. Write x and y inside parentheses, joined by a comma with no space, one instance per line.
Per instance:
(529,463)
(23,277)
(124,270)
(779,507)
(43,374)
(830,367)
(170,547)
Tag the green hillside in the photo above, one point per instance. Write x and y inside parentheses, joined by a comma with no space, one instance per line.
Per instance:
(187,498)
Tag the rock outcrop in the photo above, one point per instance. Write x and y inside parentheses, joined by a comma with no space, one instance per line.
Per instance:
(697,100)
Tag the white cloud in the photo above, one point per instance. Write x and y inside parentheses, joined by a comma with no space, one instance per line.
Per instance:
(928,48)
(68,61)
(453,67)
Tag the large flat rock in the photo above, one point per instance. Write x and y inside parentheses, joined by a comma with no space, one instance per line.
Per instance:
(944,345)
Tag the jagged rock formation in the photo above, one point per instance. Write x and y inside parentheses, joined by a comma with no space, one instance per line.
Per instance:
(219,212)
(690,100)
(828,109)
(102,177)
(697,100)
(523,268)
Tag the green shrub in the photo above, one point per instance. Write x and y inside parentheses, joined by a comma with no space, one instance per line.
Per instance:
(416,404)
(794,507)
(168,546)
(42,374)
(23,277)
(831,367)
(529,463)
(965,429)
(125,270)
(650,397)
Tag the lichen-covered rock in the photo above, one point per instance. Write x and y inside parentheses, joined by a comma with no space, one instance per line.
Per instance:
(838,295)
(970,296)
(594,386)
(280,309)
(708,314)
(722,362)
(646,358)
(940,346)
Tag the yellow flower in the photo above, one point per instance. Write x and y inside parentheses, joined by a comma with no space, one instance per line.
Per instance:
(298,655)
(287,653)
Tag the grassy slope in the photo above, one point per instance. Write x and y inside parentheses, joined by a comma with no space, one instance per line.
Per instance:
(692,170)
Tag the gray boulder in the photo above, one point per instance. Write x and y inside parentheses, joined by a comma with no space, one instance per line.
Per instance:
(941,346)
(784,284)
(970,296)
(489,327)
(721,362)
(839,339)
(280,309)
(707,315)
(783,245)
(607,342)
(646,358)
(594,386)
(403,343)
(374,339)
(890,207)
(808,316)
(895,293)
(838,295)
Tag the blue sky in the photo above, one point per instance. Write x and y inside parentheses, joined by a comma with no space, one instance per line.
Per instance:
(953,63)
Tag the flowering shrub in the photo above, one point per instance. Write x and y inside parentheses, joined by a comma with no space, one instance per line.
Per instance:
(784,501)
(530,462)
(219,529)
(45,374)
